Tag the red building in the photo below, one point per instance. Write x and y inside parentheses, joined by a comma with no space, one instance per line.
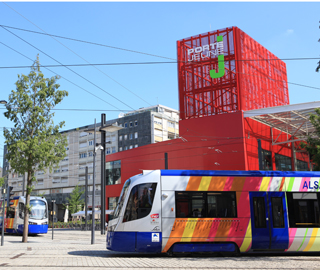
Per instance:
(234,112)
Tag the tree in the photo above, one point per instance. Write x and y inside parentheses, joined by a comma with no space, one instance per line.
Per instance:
(34,143)
(74,201)
(313,143)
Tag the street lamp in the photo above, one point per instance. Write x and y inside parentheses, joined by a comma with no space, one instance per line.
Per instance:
(96,147)
(103,129)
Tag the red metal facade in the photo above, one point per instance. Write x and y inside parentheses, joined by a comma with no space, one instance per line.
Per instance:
(254,78)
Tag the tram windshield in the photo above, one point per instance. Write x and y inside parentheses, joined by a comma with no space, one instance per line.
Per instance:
(38,209)
(121,198)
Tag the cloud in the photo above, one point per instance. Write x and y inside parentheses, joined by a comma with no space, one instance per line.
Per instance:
(289,32)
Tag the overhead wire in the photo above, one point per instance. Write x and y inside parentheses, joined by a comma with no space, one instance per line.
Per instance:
(71,70)
(80,56)
(60,76)
(88,42)
(154,55)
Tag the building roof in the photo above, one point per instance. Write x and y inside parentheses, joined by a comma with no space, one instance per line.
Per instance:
(292,119)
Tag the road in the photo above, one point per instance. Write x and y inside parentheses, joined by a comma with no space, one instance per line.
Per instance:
(72,249)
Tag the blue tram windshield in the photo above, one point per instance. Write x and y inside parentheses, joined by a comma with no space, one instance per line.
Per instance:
(121,198)
(38,209)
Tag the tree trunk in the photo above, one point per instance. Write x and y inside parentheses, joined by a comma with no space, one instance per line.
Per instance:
(26,209)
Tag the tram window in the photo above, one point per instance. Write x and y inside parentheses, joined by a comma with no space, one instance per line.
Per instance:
(190,204)
(182,199)
(140,201)
(277,212)
(11,212)
(259,211)
(38,209)
(206,204)
(303,209)
(221,204)
(21,210)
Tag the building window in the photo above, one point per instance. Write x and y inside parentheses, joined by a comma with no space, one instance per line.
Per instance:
(91,142)
(170,124)
(171,136)
(125,124)
(108,151)
(56,180)
(81,167)
(130,147)
(56,171)
(266,160)
(135,146)
(136,135)
(83,134)
(126,148)
(40,182)
(131,136)
(113,149)
(303,209)
(302,165)
(126,137)
(64,169)
(91,154)
(120,149)
(81,145)
(131,124)
(64,180)
(120,138)
(83,155)
(136,123)
(113,172)
(283,163)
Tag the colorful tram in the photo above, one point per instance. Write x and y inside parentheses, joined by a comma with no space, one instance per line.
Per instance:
(173,211)
(14,216)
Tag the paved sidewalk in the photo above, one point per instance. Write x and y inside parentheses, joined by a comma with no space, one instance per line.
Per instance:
(72,249)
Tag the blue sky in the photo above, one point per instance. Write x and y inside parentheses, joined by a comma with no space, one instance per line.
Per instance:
(289,30)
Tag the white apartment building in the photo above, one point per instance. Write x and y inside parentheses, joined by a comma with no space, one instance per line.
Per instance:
(140,127)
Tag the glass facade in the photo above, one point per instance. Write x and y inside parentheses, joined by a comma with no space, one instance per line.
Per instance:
(113,172)
(283,163)
(302,165)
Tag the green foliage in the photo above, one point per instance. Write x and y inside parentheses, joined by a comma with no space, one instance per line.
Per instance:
(34,143)
(1,181)
(74,201)
(313,143)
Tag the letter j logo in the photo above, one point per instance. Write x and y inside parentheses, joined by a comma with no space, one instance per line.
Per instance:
(220,73)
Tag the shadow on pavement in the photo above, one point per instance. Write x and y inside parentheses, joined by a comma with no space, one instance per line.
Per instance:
(187,256)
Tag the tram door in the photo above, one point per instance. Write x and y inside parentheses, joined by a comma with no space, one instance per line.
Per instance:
(269,220)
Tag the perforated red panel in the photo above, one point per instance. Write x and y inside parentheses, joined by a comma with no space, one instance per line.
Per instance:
(248,81)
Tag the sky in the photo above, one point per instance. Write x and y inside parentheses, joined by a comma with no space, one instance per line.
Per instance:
(290,30)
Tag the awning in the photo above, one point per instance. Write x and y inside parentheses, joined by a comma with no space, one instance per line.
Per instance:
(291,119)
